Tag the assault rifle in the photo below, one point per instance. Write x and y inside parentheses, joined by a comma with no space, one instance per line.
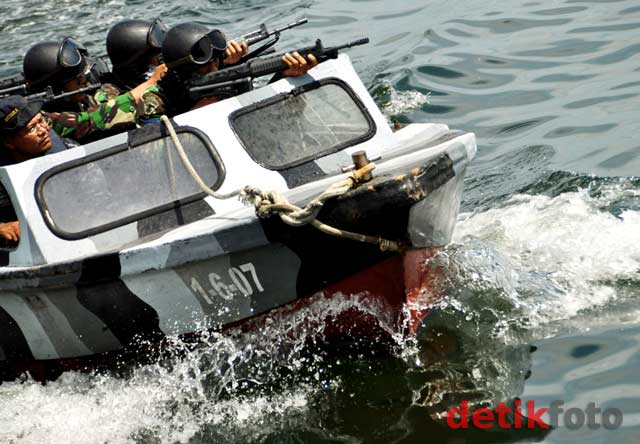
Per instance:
(211,84)
(48,96)
(262,33)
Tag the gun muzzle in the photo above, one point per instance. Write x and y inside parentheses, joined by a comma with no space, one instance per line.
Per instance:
(302,21)
(359,42)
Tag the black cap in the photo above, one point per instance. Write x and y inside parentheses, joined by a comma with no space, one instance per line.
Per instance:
(16,112)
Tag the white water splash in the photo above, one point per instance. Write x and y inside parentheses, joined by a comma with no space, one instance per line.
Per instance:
(192,394)
(401,102)
(568,242)
(86,409)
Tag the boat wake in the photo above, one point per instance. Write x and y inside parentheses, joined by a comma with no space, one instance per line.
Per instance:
(571,250)
(563,258)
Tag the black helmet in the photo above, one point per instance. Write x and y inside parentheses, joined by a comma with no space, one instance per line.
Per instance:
(135,42)
(191,44)
(54,63)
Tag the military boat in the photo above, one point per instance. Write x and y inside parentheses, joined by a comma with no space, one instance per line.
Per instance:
(138,237)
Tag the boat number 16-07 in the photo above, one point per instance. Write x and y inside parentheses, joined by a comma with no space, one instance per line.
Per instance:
(244,279)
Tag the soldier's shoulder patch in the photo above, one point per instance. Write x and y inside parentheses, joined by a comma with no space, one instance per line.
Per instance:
(151,104)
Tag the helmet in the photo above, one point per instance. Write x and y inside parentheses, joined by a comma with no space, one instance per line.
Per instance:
(135,42)
(54,63)
(191,45)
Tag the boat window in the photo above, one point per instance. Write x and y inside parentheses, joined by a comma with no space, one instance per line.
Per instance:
(302,125)
(126,183)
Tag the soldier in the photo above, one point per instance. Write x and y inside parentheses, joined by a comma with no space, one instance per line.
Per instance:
(134,48)
(25,134)
(191,50)
(66,66)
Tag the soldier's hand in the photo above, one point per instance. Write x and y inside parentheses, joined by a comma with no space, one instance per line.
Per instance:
(10,231)
(234,52)
(158,74)
(298,65)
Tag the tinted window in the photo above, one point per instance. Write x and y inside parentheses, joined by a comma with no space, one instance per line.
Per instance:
(125,185)
(303,125)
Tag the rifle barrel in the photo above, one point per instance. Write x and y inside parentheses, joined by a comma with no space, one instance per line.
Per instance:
(295,24)
(86,89)
(214,86)
(358,42)
(48,96)
(262,32)
(362,41)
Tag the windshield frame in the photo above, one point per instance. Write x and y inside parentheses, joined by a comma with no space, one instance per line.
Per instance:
(373,129)
(138,137)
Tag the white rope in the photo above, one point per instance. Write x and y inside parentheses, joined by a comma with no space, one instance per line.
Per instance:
(187,164)
(172,174)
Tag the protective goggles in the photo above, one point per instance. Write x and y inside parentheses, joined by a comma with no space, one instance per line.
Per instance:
(211,46)
(71,53)
(156,34)
(155,37)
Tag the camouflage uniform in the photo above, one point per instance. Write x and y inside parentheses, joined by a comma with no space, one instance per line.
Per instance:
(158,100)
(106,92)
(118,112)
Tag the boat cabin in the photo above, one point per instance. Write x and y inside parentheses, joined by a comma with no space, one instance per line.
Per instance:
(132,188)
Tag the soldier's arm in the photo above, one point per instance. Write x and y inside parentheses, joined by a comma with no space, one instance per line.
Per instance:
(122,111)
(119,111)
